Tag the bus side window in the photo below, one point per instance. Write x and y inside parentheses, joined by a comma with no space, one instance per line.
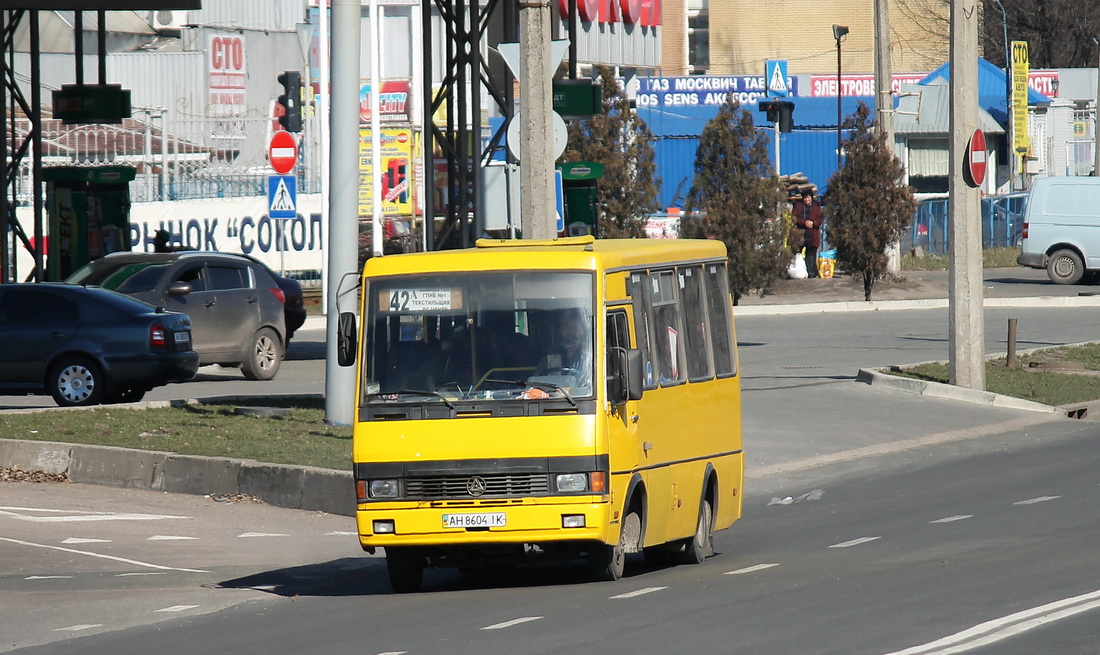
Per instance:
(642,327)
(718,312)
(696,346)
(666,329)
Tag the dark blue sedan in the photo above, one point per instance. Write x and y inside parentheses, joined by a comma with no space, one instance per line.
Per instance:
(86,346)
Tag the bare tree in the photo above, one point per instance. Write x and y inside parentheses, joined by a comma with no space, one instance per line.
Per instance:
(868,203)
(623,143)
(735,198)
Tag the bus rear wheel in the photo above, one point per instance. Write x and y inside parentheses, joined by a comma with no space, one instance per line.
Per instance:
(609,562)
(406,569)
(701,545)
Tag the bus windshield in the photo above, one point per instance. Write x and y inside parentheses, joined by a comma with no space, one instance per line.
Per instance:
(500,335)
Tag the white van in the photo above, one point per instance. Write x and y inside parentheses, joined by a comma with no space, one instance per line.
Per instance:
(1062,228)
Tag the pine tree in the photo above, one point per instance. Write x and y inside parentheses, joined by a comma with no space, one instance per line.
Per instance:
(868,204)
(623,143)
(735,197)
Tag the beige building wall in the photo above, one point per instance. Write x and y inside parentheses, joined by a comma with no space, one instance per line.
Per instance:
(745,34)
(674,42)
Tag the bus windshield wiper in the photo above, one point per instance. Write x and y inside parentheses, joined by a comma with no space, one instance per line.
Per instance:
(412,392)
(550,385)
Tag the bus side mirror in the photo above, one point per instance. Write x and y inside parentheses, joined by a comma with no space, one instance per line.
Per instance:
(346,339)
(624,375)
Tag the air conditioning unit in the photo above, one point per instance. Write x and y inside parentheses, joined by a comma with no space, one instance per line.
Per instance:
(166,19)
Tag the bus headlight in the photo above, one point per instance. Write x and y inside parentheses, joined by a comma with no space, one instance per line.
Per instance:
(383,488)
(572,482)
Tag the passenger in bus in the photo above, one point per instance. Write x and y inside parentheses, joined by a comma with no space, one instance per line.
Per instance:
(572,355)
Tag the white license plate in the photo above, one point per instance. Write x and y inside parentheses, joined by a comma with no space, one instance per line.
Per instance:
(183,337)
(487,520)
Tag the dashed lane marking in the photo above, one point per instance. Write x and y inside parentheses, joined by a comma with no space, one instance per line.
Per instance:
(508,624)
(752,569)
(854,542)
(639,592)
(952,519)
(177,608)
(46,515)
(48,577)
(101,556)
(82,540)
(77,628)
(128,575)
(250,535)
(169,537)
(1032,501)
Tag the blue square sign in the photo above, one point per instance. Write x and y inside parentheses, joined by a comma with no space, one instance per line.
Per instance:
(775,78)
(282,196)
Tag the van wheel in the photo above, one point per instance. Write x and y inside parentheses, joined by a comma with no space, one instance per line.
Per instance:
(609,562)
(1065,267)
(406,569)
(76,382)
(264,356)
(701,546)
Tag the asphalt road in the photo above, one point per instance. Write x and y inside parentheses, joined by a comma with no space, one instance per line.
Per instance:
(930,546)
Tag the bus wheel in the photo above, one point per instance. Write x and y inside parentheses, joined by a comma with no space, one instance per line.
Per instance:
(701,546)
(406,569)
(608,562)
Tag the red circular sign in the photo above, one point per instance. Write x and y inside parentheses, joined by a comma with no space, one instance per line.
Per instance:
(282,152)
(976,158)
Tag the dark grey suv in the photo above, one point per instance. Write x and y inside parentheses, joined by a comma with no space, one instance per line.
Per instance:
(236,308)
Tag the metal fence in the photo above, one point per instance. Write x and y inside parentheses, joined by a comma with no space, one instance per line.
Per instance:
(1002,222)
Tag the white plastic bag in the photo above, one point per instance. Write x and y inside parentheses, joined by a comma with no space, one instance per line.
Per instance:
(796,270)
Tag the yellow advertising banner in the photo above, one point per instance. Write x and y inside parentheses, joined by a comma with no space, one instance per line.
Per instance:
(1021,141)
(396,174)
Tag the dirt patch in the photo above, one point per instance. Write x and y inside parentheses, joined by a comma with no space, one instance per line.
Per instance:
(16,474)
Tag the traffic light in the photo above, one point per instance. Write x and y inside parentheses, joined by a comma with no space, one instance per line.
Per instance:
(779,111)
(291,101)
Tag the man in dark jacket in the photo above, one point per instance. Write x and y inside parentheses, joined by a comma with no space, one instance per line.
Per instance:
(808,216)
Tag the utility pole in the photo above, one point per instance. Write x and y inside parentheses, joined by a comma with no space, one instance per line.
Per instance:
(536,173)
(884,103)
(966,330)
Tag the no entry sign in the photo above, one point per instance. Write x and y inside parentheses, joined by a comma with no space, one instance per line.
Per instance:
(976,162)
(282,152)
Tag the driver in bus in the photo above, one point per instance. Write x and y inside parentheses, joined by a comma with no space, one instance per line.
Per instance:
(572,355)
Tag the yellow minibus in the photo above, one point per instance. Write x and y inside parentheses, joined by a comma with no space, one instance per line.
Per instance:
(526,400)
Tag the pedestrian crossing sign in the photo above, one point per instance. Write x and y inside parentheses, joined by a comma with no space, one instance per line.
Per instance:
(282,196)
(775,78)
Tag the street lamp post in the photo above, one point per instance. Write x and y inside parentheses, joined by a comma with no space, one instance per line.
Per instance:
(838,32)
(1011,149)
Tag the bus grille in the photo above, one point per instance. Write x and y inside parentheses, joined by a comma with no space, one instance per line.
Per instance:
(518,484)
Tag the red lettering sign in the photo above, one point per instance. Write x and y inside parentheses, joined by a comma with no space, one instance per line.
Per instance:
(635,12)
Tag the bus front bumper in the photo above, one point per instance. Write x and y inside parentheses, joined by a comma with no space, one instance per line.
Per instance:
(530,521)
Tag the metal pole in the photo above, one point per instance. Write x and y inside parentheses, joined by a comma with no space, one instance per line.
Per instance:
(1011,359)
(1096,116)
(839,97)
(536,133)
(1011,149)
(343,232)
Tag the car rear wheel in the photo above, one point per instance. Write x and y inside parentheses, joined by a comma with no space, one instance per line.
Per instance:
(264,357)
(76,382)
(1065,267)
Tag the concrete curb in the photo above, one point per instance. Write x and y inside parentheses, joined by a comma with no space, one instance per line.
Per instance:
(926,303)
(877,377)
(294,487)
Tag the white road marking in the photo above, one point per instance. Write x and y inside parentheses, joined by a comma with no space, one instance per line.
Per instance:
(169,537)
(128,575)
(993,631)
(76,628)
(110,557)
(854,542)
(344,533)
(48,577)
(81,540)
(952,519)
(394,652)
(177,608)
(639,592)
(752,569)
(249,535)
(1032,501)
(508,624)
(34,514)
